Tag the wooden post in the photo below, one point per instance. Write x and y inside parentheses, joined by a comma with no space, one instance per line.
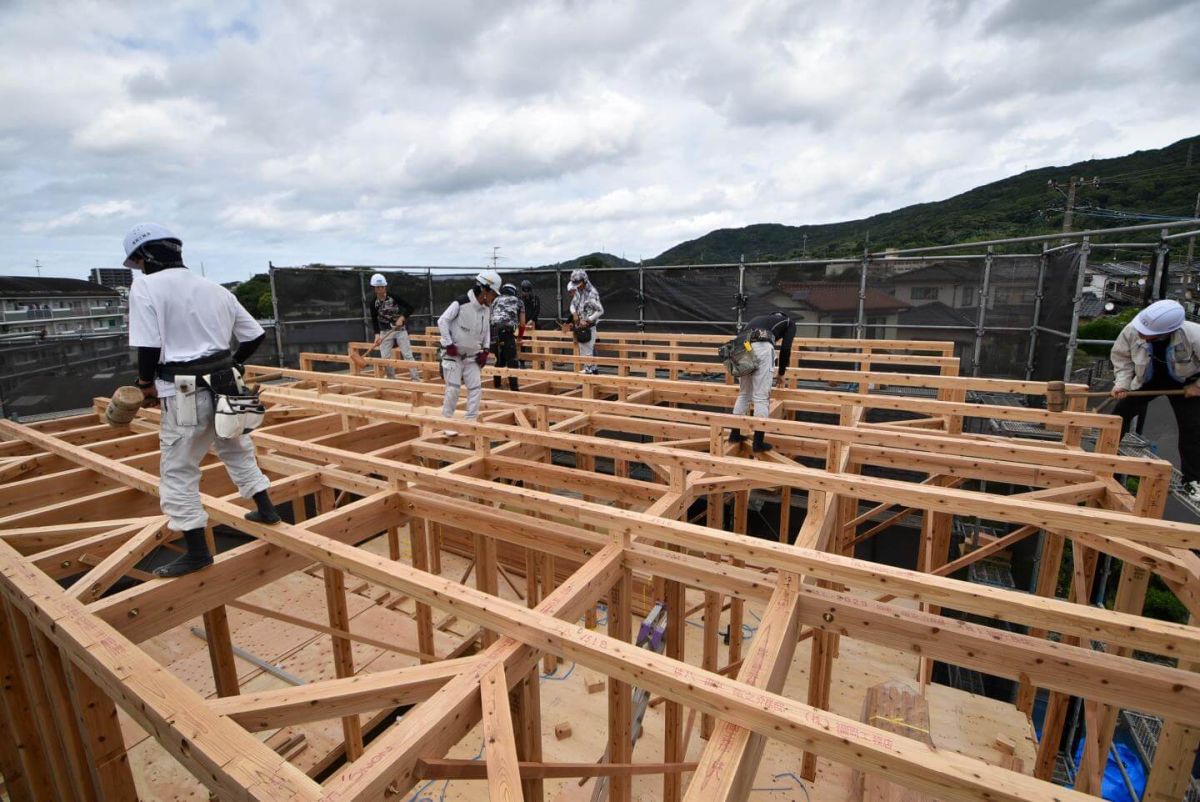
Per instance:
(220,651)
(39,705)
(741,511)
(620,712)
(343,653)
(419,543)
(673,746)
(102,738)
(712,610)
(21,727)
(486,578)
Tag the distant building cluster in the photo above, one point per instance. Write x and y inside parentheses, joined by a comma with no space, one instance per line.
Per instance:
(60,307)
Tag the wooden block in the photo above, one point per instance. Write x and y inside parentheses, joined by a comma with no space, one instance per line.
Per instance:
(594,682)
(562,730)
(897,707)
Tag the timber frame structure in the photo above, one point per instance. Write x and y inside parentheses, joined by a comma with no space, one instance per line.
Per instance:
(601,490)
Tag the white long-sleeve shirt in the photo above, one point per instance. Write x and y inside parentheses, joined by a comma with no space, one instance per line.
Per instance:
(466,324)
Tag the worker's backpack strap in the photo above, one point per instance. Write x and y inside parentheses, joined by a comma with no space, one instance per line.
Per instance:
(738,357)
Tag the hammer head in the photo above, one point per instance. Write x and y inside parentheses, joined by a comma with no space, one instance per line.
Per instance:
(1056,396)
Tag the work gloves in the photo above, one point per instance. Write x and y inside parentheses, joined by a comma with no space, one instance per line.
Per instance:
(481,358)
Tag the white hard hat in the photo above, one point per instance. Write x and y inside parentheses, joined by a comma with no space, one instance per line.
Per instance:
(489,279)
(1160,317)
(142,233)
(578,275)
(378,280)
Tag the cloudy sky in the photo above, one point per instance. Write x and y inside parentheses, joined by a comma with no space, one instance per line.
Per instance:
(422,133)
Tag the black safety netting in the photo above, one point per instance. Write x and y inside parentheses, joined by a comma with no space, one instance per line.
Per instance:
(618,288)
(702,300)
(926,298)
(1057,311)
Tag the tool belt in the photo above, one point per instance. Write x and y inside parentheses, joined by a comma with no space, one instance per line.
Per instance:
(583,335)
(759,336)
(195,367)
(237,411)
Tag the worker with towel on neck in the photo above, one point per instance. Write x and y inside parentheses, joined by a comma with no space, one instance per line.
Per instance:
(1160,350)
(181,325)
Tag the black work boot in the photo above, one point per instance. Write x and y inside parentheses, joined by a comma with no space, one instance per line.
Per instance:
(736,436)
(513,384)
(496,382)
(760,445)
(196,557)
(266,513)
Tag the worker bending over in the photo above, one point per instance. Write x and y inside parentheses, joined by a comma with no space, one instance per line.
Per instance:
(181,325)
(762,333)
(465,329)
(508,328)
(1160,350)
(586,312)
(389,320)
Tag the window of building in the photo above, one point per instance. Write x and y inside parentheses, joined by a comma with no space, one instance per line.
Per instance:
(970,296)
(925,293)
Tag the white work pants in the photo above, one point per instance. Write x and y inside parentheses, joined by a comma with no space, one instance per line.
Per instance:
(757,385)
(182,448)
(397,339)
(457,372)
(587,350)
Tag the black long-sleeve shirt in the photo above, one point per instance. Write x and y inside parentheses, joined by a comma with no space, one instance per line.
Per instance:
(779,328)
(387,310)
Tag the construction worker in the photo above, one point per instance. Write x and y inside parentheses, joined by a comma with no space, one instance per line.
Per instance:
(762,333)
(586,312)
(465,329)
(181,325)
(389,320)
(508,327)
(1160,350)
(533,311)
(533,304)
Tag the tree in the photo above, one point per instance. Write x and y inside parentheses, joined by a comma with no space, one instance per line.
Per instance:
(251,295)
(266,306)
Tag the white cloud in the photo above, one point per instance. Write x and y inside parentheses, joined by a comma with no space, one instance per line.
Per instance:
(428,133)
(86,217)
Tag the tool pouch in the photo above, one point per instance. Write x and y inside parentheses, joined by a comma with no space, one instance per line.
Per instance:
(184,403)
(236,410)
(738,357)
(583,335)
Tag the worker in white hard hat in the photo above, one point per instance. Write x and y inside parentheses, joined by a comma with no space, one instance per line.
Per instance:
(389,320)
(465,329)
(181,325)
(1160,350)
(586,312)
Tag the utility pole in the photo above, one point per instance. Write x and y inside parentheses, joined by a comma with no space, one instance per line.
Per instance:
(37,265)
(1068,218)
(804,248)
(1072,185)
(1191,240)
(496,257)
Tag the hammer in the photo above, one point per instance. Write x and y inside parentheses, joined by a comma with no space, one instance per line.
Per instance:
(1056,395)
